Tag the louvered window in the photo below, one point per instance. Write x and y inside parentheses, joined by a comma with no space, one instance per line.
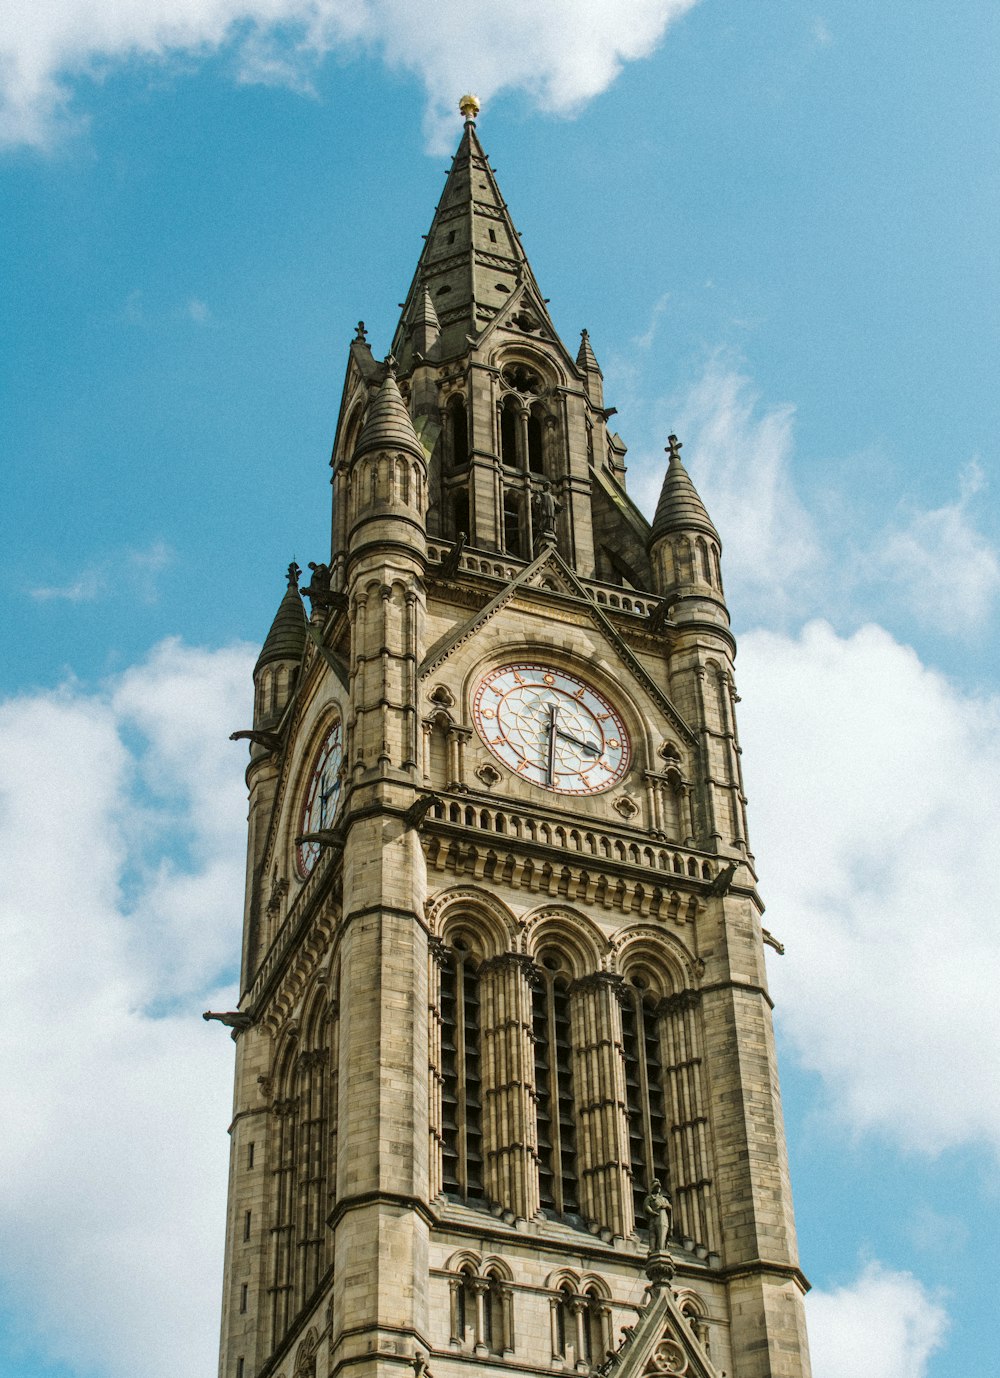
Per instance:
(461,1092)
(556,1126)
(647,1128)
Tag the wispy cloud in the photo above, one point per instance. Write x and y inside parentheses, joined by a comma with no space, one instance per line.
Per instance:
(562,53)
(645,340)
(101,578)
(939,562)
(85,588)
(196,310)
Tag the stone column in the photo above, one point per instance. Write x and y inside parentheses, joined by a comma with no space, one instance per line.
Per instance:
(599,1082)
(508,1070)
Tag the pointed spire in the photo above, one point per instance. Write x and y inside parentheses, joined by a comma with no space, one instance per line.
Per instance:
(425,324)
(680,508)
(472,261)
(586,358)
(287,637)
(387,423)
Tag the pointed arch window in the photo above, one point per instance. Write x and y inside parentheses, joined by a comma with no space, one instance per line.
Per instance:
(461,1089)
(647,1127)
(536,458)
(508,434)
(458,433)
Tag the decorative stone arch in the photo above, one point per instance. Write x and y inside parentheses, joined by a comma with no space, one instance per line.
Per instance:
(693,1308)
(485,922)
(305,1358)
(562,1278)
(508,355)
(464,1259)
(577,938)
(354,414)
(656,955)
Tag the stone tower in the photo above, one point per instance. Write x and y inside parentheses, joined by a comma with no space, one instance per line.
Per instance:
(506,1094)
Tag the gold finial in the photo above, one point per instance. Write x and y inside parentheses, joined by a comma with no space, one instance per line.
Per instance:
(469,106)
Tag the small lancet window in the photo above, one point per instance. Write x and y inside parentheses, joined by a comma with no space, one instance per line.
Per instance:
(535,457)
(508,435)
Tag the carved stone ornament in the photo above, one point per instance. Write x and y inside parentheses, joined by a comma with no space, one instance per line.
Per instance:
(667,1357)
(626,807)
(488,775)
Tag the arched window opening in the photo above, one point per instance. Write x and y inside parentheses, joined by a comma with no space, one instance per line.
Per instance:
(703,565)
(555,1116)
(458,428)
(460,514)
(596,1328)
(647,1127)
(461,1092)
(563,1329)
(536,461)
(512,525)
(508,435)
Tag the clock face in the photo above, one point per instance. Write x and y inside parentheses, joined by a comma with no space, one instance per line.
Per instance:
(551,728)
(322,796)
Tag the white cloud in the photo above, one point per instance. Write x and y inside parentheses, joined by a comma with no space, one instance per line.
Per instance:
(196,310)
(941,564)
(562,53)
(877,823)
(885,1323)
(121,828)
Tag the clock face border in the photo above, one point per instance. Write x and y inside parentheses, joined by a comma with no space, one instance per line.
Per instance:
(322,784)
(585,711)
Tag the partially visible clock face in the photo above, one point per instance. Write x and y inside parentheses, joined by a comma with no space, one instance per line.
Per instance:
(551,728)
(322,797)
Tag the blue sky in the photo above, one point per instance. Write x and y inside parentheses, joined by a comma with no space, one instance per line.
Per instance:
(778,223)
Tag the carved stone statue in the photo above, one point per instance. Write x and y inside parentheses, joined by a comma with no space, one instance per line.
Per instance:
(659,1212)
(318,588)
(544,510)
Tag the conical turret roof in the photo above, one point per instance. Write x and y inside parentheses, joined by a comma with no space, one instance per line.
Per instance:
(585,357)
(472,261)
(680,508)
(387,423)
(287,637)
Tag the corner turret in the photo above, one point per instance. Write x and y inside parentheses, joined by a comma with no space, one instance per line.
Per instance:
(387,482)
(277,666)
(685,548)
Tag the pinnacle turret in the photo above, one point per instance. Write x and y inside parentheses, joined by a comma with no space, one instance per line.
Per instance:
(387,423)
(287,638)
(680,508)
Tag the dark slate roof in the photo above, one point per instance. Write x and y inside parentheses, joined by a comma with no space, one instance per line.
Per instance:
(287,637)
(680,508)
(387,423)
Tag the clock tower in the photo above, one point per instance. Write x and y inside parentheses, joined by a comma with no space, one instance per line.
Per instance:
(506,1094)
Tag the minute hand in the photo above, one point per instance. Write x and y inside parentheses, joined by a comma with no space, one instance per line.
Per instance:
(584,746)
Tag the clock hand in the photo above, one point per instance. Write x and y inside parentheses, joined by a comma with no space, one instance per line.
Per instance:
(553,732)
(585,746)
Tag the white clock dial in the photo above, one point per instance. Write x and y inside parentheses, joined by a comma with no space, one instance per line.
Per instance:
(551,728)
(322,797)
